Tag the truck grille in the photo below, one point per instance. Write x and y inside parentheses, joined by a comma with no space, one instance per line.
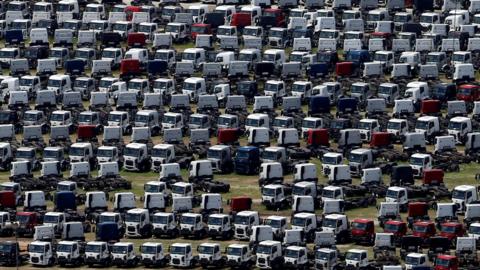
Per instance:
(176,261)
(129,162)
(240,230)
(261,260)
(131,228)
(35,259)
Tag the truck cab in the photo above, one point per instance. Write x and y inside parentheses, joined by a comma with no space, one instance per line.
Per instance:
(463,195)
(357,258)
(41,253)
(367,127)
(360,159)
(269,255)
(243,223)
(181,255)
(240,255)
(415,260)
(429,125)
(459,127)
(137,222)
(420,163)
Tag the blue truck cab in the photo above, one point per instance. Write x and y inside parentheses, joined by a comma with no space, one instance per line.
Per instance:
(247,160)
(318,105)
(357,57)
(108,232)
(64,201)
(347,105)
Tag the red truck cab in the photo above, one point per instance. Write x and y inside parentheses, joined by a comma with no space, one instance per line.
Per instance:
(363,230)
(317,137)
(87,133)
(424,229)
(241,203)
(129,68)
(26,222)
(430,107)
(446,262)
(136,40)
(344,69)
(278,14)
(8,200)
(129,10)
(452,230)
(468,92)
(200,28)
(241,19)
(433,177)
(417,211)
(228,136)
(381,140)
(397,227)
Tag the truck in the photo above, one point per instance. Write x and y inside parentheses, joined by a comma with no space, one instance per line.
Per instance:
(137,222)
(69,253)
(209,254)
(97,253)
(41,253)
(270,255)
(152,255)
(123,254)
(243,223)
(164,224)
(181,255)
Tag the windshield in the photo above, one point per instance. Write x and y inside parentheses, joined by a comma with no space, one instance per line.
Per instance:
(276,33)
(70,25)
(64,248)
(30,117)
(106,218)
(268,192)
(80,83)
(271,87)
(392,194)
(416,161)
(421,125)
(22,219)
(160,219)
(327,34)
(119,249)
(353,157)
(298,221)
(25,154)
(419,228)
(458,194)
(33,248)
(448,229)
(464,91)
(442,262)
(76,151)
(298,88)
(297,190)
(93,248)
(234,251)
(84,118)
(105,153)
(144,28)
(359,225)
(25,82)
(156,152)
(458,57)
(212,153)
(323,256)
(189,86)
(56,117)
(270,155)
(178,189)
(380,57)
(82,54)
(242,220)
(97,26)
(160,85)
(148,250)
(353,256)
(309,124)
(357,89)
(329,160)
(169,119)
(373,17)
(384,90)
(177,250)
(263,249)
(252,122)
(50,219)
(269,57)
(141,118)
(329,223)
(433,58)
(225,31)
(242,154)
(18,25)
(196,120)
(120,27)
(455,125)
(54,83)
(250,32)
(6,54)
(131,152)
(245,57)
(274,223)
(205,249)
(199,29)
(280,122)
(188,220)
(426,19)
(189,56)
(215,221)
(393,125)
(411,260)
(391,227)
(400,18)
(50,154)
(291,253)
(474,229)
(172,28)
(114,117)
